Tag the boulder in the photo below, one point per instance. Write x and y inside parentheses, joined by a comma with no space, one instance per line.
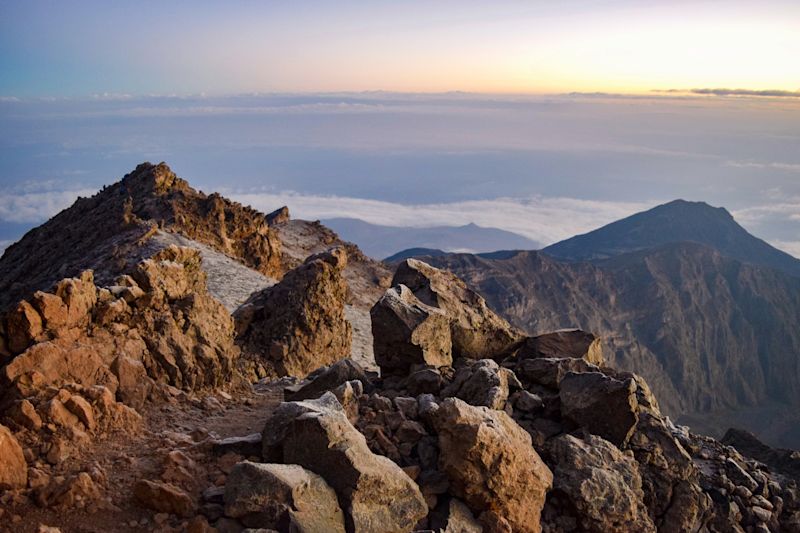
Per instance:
(564,343)
(549,372)
(407,332)
(329,378)
(282,497)
(299,324)
(482,382)
(378,496)
(163,497)
(601,404)
(13,468)
(452,516)
(24,414)
(600,483)
(23,327)
(477,331)
(492,465)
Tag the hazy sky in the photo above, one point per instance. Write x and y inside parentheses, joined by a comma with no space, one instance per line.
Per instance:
(55,48)
(339,108)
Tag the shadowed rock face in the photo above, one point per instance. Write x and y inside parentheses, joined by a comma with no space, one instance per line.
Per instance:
(103,232)
(299,324)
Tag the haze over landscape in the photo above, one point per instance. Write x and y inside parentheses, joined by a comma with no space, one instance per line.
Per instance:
(394,267)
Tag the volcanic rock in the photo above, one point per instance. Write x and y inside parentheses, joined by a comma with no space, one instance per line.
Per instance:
(13,468)
(602,404)
(477,332)
(408,332)
(315,434)
(299,324)
(565,343)
(163,497)
(601,483)
(492,465)
(282,497)
(483,382)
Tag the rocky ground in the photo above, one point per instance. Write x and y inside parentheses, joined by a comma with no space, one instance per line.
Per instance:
(142,404)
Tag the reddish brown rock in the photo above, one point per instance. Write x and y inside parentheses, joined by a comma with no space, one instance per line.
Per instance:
(13,468)
(492,465)
(299,324)
(23,326)
(163,497)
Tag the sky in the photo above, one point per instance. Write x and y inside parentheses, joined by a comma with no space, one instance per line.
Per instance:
(57,48)
(543,118)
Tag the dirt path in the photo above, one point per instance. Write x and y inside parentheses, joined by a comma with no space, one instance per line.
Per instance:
(190,426)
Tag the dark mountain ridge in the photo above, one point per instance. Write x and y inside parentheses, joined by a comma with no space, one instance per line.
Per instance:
(676,221)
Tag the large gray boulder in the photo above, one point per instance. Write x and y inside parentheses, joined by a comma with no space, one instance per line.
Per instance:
(407,332)
(283,498)
(377,494)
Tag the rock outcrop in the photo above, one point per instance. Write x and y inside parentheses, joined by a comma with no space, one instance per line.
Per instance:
(476,331)
(409,333)
(299,324)
(106,232)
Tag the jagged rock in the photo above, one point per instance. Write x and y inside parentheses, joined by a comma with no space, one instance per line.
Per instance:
(76,490)
(669,476)
(492,465)
(482,382)
(550,371)
(163,497)
(315,434)
(784,461)
(282,497)
(178,332)
(23,327)
(247,446)
(299,324)
(425,381)
(328,379)
(134,384)
(601,483)
(453,516)
(477,332)
(279,216)
(24,414)
(13,468)
(407,332)
(603,405)
(565,343)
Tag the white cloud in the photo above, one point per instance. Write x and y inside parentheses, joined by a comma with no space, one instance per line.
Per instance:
(543,219)
(32,207)
(790,247)
(774,165)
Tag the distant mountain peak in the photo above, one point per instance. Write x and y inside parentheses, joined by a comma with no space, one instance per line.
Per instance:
(676,221)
